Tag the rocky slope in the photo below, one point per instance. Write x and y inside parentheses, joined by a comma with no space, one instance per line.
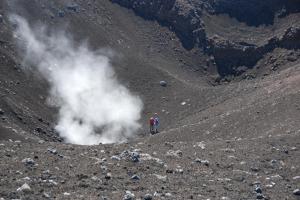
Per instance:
(235,140)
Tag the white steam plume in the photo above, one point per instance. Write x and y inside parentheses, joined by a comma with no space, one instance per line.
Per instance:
(94,106)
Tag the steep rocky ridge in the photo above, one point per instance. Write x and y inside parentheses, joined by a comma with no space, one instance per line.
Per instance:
(195,23)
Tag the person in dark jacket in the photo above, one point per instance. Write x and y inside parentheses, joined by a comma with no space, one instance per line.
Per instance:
(156,123)
(151,123)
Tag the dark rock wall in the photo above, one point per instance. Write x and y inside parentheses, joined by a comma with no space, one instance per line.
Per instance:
(184,18)
(256,12)
(184,21)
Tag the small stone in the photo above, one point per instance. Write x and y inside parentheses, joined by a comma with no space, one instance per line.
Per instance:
(53,182)
(45,195)
(82,176)
(179,171)
(135,156)
(254,169)
(27,178)
(24,188)
(270,185)
(296,177)
(61,13)
(148,197)
(84,184)
(296,192)
(201,145)
(135,177)
(28,161)
(160,177)
(73,7)
(168,194)
(41,141)
(172,153)
(128,196)
(95,178)
(259,196)
(1,112)
(66,194)
(116,158)
(257,183)
(163,83)
(225,198)
(205,162)
(294,148)
(258,190)
(273,161)
(52,150)
(108,176)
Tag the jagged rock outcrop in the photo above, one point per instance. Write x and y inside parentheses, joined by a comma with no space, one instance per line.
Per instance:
(182,18)
(230,56)
(185,18)
(255,12)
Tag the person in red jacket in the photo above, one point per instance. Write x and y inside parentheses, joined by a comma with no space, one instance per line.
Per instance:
(151,125)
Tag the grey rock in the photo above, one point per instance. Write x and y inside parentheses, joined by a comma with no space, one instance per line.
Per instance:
(1,112)
(41,141)
(148,197)
(59,155)
(24,188)
(82,176)
(73,7)
(28,161)
(205,162)
(179,171)
(296,192)
(52,182)
(129,196)
(172,153)
(116,158)
(296,177)
(160,177)
(135,156)
(163,83)
(135,177)
(52,150)
(46,195)
(259,196)
(66,194)
(258,190)
(257,183)
(273,161)
(108,176)
(61,13)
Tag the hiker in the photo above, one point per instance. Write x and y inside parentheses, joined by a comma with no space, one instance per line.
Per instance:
(156,123)
(151,125)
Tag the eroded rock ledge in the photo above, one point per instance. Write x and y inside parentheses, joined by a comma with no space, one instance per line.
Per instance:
(185,18)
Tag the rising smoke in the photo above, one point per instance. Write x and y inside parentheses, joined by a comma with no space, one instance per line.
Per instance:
(94,106)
